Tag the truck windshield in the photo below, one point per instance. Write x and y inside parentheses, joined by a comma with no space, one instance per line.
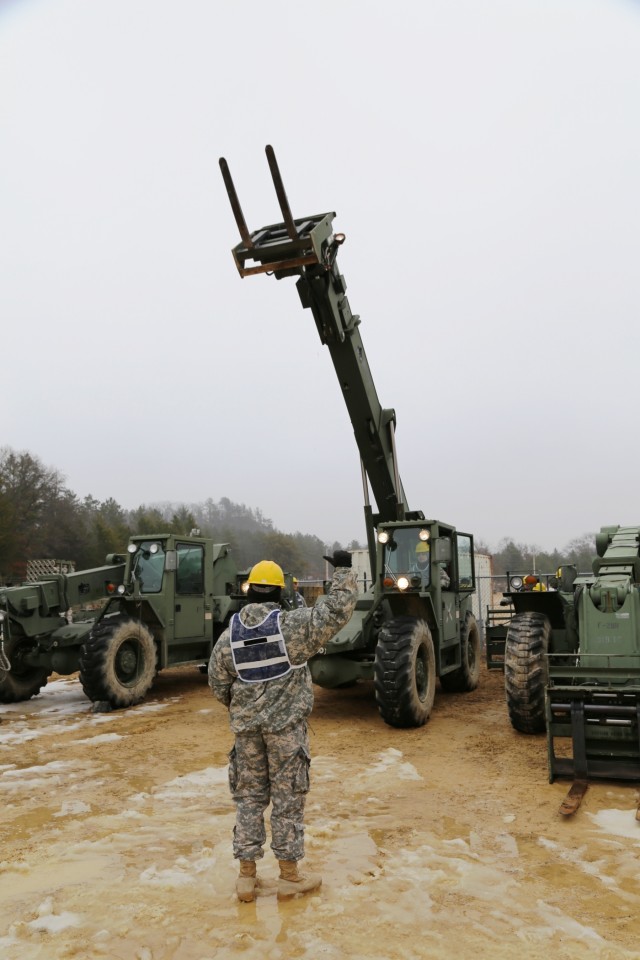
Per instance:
(148,566)
(406,553)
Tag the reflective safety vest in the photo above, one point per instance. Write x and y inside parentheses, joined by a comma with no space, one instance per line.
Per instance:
(259,653)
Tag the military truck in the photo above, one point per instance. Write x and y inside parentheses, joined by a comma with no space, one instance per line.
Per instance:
(164,603)
(407,630)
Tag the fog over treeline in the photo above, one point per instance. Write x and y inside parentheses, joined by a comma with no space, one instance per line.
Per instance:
(40,517)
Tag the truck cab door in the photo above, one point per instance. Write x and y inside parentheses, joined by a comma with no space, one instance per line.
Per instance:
(442,571)
(190,596)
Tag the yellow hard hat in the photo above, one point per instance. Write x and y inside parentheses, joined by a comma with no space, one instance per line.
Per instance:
(422,547)
(295,581)
(267,574)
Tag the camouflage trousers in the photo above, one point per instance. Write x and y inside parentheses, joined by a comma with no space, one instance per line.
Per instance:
(270,768)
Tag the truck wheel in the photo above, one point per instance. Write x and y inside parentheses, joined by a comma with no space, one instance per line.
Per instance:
(526,671)
(405,672)
(467,676)
(118,661)
(23,681)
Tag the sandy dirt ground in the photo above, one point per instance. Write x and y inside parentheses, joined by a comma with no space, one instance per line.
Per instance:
(439,842)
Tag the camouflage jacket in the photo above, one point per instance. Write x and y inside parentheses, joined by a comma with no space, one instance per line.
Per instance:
(276,704)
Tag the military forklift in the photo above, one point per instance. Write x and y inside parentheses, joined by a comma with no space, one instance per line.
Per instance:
(408,629)
(498,618)
(38,635)
(162,604)
(572,666)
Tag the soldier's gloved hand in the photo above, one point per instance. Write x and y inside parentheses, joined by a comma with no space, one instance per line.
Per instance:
(341,558)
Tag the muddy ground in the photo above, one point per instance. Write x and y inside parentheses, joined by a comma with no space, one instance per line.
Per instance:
(443,841)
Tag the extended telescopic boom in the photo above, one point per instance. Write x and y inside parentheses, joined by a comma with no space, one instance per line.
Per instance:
(308,248)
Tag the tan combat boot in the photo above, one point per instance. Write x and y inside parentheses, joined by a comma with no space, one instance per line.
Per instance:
(291,882)
(247,881)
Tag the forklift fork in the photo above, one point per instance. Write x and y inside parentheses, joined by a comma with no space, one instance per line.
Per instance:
(286,248)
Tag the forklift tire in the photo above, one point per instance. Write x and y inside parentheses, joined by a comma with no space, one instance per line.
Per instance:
(467,676)
(526,671)
(118,662)
(23,681)
(405,672)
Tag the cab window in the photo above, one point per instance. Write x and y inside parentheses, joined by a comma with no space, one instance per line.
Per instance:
(465,562)
(190,572)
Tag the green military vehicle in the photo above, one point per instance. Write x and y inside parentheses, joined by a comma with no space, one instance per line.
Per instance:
(499,617)
(572,666)
(37,636)
(407,630)
(163,604)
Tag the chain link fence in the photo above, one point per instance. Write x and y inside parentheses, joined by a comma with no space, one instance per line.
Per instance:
(487,597)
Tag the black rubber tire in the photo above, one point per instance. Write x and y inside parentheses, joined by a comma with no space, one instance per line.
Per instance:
(405,672)
(118,662)
(23,681)
(467,676)
(526,672)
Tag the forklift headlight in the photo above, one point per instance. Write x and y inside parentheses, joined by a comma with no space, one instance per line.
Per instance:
(515,583)
(383,536)
(403,583)
(121,589)
(132,548)
(424,535)
(245,587)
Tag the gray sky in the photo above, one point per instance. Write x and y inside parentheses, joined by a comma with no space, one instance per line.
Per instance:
(484,162)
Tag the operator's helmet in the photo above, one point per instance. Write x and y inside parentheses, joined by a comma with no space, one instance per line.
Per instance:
(422,553)
(295,581)
(266,576)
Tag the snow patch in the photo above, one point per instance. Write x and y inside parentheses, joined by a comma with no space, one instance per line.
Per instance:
(70,807)
(49,922)
(101,738)
(389,761)
(389,764)
(58,697)
(618,823)
(192,784)
(34,778)
(177,876)
(557,922)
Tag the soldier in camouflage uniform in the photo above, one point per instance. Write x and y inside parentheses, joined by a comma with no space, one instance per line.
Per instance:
(258,670)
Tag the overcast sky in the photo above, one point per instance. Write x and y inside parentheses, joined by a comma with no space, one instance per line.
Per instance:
(484,163)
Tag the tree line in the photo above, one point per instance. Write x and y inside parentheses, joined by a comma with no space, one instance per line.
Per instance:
(41,518)
(511,557)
